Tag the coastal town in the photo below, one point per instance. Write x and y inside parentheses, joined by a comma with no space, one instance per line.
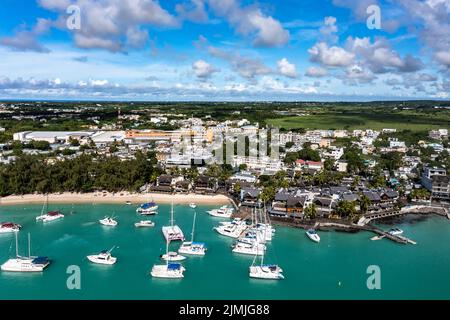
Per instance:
(296,176)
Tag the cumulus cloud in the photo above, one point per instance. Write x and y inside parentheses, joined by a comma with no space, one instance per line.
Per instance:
(194,10)
(316,72)
(27,40)
(114,24)
(381,58)
(331,56)
(246,67)
(286,68)
(250,21)
(203,70)
(329,29)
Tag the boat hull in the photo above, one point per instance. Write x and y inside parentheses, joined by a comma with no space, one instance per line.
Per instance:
(94,259)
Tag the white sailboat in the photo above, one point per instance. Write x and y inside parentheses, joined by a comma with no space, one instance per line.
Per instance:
(104,257)
(172,232)
(25,264)
(50,215)
(191,247)
(168,270)
(265,271)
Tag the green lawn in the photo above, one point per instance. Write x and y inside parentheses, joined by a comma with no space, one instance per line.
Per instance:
(359,120)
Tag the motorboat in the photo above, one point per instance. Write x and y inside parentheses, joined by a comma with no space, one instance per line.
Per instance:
(193,248)
(104,257)
(395,231)
(247,248)
(7,227)
(312,234)
(25,264)
(147,208)
(232,231)
(144,223)
(172,256)
(108,221)
(128,203)
(172,232)
(192,205)
(222,212)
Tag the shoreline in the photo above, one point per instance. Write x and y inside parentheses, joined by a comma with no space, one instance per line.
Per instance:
(115,198)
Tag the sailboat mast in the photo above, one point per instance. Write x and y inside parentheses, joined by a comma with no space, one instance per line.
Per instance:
(167,252)
(29,245)
(193,226)
(171,215)
(17,245)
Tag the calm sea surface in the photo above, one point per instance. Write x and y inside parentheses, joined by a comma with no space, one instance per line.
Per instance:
(334,269)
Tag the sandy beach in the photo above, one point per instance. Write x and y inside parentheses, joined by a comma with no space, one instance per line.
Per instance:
(121,197)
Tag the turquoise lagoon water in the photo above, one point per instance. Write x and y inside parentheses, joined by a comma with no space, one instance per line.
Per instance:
(334,269)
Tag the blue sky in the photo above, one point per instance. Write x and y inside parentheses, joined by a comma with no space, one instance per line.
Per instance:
(224,50)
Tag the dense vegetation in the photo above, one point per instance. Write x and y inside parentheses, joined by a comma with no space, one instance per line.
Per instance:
(31,174)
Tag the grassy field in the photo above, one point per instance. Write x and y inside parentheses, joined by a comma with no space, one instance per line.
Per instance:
(413,121)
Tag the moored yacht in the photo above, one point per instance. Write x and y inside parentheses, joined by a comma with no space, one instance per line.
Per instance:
(172,256)
(232,230)
(191,247)
(395,231)
(108,221)
(172,232)
(144,223)
(50,216)
(312,234)
(25,264)
(266,271)
(104,257)
(249,248)
(168,270)
(147,208)
(7,227)
(222,212)
(192,205)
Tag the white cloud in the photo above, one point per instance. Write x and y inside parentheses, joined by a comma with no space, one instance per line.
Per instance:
(329,30)
(203,70)
(331,56)
(250,21)
(27,40)
(316,72)
(286,68)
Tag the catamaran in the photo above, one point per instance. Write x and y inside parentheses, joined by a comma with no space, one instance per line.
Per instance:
(191,247)
(25,264)
(7,227)
(50,215)
(312,234)
(147,208)
(265,271)
(172,232)
(222,212)
(168,270)
(144,223)
(104,257)
(108,221)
